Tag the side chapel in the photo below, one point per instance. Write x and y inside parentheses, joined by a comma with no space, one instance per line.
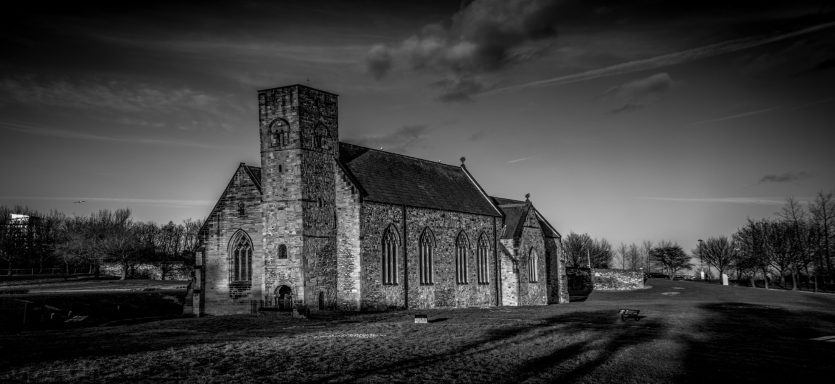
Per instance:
(332,225)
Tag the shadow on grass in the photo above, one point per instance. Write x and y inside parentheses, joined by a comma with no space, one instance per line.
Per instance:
(604,336)
(741,342)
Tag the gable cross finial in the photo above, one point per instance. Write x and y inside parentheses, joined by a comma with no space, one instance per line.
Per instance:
(527,197)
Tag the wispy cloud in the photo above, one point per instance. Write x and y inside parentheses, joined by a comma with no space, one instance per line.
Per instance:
(108,94)
(666,60)
(723,200)
(67,134)
(736,116)
(126,200)
(476,136)
(764,110)
(786,177)
(396,141)
(639,93)
(485,36)
(514,161)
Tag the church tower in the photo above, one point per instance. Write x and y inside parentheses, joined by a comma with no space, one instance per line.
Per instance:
(299,145)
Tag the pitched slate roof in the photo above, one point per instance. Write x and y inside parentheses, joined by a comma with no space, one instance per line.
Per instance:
(397,179)
(515,212)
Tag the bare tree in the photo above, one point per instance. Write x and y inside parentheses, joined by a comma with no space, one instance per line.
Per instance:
(646,247)
(822,210)
(671,257)
(623,254)
(717,252)
(636,261)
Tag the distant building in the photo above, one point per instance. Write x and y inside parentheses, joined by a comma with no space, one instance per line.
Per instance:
(334,225)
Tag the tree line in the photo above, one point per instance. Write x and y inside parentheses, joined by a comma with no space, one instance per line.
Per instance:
(45,242)
(795,245)
(581,251)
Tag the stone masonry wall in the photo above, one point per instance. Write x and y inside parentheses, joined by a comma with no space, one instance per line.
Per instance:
(445,225)
(347,242)
(224,223)
(509,274)
(530,292)
(176,271)
(557,278)
(616,279)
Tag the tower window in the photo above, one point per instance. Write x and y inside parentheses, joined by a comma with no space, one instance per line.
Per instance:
(280,168)
(282,251)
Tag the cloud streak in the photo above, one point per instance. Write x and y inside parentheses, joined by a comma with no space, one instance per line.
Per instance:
(736,116)
(722,200)
(786,177)
(514,161)
(666,60)
(66,134)
(396,141)
(182,203)
(108,94)
(639,93)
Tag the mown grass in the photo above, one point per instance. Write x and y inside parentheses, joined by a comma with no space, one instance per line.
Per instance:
(702,333)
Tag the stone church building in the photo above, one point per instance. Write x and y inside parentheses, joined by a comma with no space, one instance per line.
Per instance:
(331,225)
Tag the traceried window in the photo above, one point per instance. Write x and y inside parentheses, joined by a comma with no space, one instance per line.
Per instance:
(533,263)
(461,248)
(389,256)
(282,251)
(427,243)
(241,257)
(481,260)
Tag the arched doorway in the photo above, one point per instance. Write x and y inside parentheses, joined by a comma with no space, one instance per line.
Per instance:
(284,297)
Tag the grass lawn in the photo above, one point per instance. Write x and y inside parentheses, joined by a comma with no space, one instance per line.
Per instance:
(691,332)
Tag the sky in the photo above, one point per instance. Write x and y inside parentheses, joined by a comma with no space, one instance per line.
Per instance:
(629,120)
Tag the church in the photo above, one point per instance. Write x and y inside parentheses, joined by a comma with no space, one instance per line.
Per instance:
(328,225)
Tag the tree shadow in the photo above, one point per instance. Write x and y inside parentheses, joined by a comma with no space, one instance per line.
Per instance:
(742,342)
(607,335)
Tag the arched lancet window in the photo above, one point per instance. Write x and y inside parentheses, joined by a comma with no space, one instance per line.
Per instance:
(240,255)
(241,209)
(533,263)
(282,251)
(461,249)
(279,133)
(427,243)
(321,137)
(389,256)
(481,260)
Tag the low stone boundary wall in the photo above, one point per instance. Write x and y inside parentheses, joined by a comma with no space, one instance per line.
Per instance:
(617,279)
(148,271)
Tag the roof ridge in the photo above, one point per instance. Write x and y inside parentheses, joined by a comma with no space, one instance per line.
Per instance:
(401,155)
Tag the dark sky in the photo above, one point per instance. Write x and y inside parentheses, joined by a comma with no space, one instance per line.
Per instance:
(630,120)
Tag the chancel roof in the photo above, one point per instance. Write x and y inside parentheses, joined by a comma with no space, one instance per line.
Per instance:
(515,214)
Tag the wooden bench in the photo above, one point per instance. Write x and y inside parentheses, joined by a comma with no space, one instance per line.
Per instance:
(629,313)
